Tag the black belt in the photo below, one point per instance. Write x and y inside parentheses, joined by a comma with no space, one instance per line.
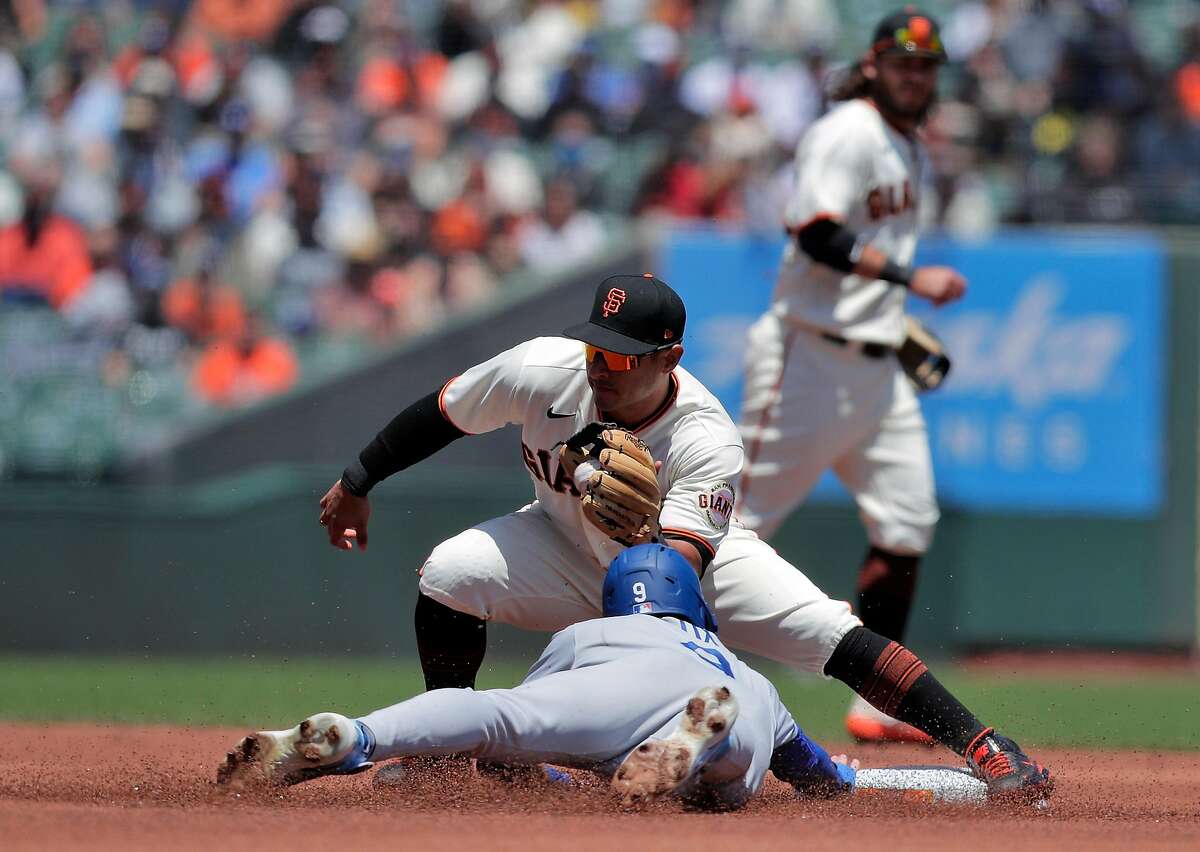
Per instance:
(877,351)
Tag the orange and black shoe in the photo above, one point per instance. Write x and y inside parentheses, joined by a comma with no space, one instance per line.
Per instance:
(868,725)
(1009,773)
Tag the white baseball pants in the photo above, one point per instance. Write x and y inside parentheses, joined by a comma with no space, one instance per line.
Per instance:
(520,569)
(810,404)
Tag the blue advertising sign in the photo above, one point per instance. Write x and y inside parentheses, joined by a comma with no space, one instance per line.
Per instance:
(1055,400)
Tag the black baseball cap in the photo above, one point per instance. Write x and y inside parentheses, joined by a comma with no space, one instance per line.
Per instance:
(909,31)
(633,315)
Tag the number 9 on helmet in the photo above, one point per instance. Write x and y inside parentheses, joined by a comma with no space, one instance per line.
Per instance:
(653,579)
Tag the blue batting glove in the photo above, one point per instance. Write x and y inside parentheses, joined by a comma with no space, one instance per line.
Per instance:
(809,769)
(847,775)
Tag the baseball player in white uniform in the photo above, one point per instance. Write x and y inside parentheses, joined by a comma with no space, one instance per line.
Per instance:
(665,471)
(823,387)
(647,696)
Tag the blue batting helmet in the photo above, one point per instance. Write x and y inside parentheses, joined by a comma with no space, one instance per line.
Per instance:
(656,580)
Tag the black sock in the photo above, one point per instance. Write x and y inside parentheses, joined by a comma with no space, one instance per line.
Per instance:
(451,644)
(887,584)
(893,679)
(930,707)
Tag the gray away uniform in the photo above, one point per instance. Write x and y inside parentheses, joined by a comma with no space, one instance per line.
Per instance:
(599,689)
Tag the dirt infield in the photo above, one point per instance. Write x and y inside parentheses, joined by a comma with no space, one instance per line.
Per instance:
(76,786)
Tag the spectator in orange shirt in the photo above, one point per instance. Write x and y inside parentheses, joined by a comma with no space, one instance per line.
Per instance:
(250,368)
(204,309)
(43,253)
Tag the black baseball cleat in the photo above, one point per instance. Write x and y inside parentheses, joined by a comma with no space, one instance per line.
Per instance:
(1009,773)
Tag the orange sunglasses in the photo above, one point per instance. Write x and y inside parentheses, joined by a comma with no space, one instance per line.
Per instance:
(615,362)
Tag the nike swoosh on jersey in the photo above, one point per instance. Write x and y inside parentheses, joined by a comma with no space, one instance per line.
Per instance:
(554,415)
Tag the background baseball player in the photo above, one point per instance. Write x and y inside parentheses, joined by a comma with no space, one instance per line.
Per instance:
(664,474)
(653,700)
(823,387)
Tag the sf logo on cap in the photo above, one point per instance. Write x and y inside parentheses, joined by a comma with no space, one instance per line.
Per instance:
(616,298)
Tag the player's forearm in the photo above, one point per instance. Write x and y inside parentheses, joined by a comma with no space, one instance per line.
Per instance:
(835,245)
(690,552)
(872,263)
(412,436)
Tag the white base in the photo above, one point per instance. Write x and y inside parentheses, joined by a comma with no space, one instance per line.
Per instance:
(933,783)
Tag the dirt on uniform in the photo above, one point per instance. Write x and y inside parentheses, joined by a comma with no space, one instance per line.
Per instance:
(121,787)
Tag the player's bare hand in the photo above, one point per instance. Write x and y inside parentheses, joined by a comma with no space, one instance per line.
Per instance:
(345,517)
(843,759)
(939,284)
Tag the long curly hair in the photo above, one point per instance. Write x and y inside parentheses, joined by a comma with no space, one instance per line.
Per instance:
(850,84)
(853,83)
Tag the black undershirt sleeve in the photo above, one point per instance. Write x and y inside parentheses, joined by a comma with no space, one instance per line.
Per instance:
(834,245)
(828,242)
(413,435)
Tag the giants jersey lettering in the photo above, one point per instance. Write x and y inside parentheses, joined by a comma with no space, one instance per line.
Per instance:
(853,167)
(542,385)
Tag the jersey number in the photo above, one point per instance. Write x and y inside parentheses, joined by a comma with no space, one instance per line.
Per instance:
(711,656)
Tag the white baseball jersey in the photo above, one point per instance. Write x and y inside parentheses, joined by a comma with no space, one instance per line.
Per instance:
(600,689)
(809,405)
(855,168)
(542,566)
(542,385)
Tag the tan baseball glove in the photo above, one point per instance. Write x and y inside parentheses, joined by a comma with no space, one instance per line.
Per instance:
(618,480)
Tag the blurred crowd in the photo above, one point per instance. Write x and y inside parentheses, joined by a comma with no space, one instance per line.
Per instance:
(1070,112)
(202,192)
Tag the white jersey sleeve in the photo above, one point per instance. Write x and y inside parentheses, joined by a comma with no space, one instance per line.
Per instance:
(699,503)
(833,170)
(487,396)
(854,168)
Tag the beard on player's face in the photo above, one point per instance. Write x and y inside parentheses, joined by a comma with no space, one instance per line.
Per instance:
(905,86)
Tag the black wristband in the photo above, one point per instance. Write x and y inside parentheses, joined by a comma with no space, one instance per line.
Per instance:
(356,480)
(896,273)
